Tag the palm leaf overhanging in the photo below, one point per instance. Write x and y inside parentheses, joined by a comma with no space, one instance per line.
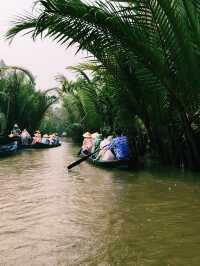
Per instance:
(151,49)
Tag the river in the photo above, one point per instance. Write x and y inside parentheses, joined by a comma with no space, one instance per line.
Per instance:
(92,216)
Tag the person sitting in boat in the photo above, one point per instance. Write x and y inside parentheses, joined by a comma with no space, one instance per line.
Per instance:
(119,146)
(57,139)
(106,154)
(37,137)
(15,132)
(96,140)
(52,139)
(25,137)
(45,139)
(87,143)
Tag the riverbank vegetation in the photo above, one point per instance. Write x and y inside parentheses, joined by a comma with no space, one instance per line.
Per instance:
(20,102)
(147,57)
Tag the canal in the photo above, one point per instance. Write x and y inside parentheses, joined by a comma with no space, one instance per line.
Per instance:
(92,216)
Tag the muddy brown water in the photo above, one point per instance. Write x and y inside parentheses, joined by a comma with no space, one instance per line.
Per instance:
(92,216)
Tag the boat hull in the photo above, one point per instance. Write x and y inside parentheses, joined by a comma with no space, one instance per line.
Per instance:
(8,149)
(39,146)
(119,164)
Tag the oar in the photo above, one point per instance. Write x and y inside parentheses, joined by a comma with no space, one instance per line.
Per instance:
(81,160)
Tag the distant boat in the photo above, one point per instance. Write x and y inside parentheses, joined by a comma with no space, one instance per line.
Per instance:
(39,146)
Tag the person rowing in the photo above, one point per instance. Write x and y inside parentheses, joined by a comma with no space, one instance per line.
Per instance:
(86,156)
(87,143)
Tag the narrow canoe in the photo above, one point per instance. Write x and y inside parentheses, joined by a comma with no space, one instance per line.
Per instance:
(39,146)
(120,164)
(8,149)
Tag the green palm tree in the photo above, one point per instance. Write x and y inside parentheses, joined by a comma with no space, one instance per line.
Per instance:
(12,71)
(150,47)
(19,100)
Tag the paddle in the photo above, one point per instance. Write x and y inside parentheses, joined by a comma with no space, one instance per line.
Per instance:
(81,160)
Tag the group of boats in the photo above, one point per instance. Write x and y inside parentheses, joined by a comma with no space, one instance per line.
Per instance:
(13,147)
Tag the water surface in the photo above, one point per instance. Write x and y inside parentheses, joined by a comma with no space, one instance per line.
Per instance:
(92,216)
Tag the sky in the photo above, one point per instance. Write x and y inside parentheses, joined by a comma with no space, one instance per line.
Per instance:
(44,58)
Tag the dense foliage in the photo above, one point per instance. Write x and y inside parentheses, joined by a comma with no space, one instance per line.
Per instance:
(152,51)
(20,102)
(86,104)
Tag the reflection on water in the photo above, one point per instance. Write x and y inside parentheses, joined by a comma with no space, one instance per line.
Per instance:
(92,216)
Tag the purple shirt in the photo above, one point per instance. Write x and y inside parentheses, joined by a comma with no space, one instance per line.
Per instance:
(120,147)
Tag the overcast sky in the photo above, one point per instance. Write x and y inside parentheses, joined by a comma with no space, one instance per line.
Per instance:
(44,58)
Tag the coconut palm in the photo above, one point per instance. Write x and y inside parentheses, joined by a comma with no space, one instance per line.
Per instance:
(20,102)
(8,71)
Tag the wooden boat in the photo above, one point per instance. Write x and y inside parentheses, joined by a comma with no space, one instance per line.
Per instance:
(120,164)
(44,146)
(39,146)
(8,149)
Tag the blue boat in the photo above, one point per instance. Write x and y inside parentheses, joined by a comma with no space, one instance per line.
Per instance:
(8,149)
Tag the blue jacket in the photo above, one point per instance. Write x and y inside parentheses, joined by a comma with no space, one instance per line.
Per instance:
(120,147)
